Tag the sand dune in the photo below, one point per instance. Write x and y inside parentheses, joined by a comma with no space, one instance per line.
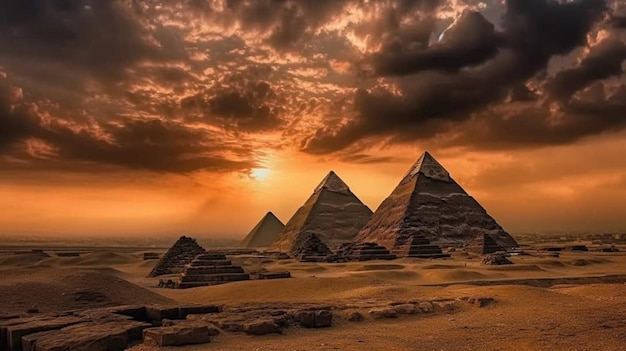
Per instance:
(534,290)
(379,267)
(59,289)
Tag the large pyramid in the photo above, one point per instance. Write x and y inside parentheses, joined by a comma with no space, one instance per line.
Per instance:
(333,213)
(430,204)
(264,233)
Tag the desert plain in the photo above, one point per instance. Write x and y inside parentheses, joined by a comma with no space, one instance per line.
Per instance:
(544,301)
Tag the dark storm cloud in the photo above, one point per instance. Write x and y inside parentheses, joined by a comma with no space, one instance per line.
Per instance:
(532,126)
(288,22)
(604,61)
(17,120)
(470,41)
(151,145)
(242,105)
(427,104)
(100,38)
(135,144)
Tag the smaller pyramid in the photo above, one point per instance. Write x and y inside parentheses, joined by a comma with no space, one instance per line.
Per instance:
(264,233)
(312,249)
(484,244)
(184,250)
(210,269)
(364,252)
(332,213)
(418,246)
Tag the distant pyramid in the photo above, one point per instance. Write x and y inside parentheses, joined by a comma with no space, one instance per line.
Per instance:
(333,213)
(484,244)
(264,233)
(184,250)
(430,204)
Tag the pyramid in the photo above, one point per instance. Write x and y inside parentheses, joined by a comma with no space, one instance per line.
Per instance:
(364,252)
(430,204)
(264,233)
(210,269)
(184,250)
(484,244)
(312,249)
(333,213)
(419,247)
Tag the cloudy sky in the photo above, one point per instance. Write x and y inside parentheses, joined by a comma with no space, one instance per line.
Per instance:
(143,117)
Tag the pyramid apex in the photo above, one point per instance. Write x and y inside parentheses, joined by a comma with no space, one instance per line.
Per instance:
(429,167)
(333,183)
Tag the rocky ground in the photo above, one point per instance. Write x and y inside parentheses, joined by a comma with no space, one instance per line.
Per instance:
(576,301)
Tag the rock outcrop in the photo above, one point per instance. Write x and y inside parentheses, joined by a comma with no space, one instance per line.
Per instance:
(177,257)
(428,203)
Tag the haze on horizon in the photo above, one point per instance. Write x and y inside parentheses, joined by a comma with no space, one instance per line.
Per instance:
(197,117)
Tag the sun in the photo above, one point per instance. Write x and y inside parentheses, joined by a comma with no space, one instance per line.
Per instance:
(259,173)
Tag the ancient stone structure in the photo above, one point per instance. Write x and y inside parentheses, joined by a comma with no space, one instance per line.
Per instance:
(210,269)
(419,247)
(333,213)
(429,203)
(100,329)
(271,275)
(484,244)
(264,233)
(495,260)
(180,254)
(312,249)
(364,252)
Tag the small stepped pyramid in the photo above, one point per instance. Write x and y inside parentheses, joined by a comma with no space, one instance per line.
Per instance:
(419,247)
(180,254)
(312,249)
(210,269)
(484,244)
(364,252)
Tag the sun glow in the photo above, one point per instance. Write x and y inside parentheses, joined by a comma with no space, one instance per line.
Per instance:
(259,173)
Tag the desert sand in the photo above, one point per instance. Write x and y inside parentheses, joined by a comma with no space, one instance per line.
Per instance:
(573,302)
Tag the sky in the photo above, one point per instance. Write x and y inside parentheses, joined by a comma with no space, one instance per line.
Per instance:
(146,117)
